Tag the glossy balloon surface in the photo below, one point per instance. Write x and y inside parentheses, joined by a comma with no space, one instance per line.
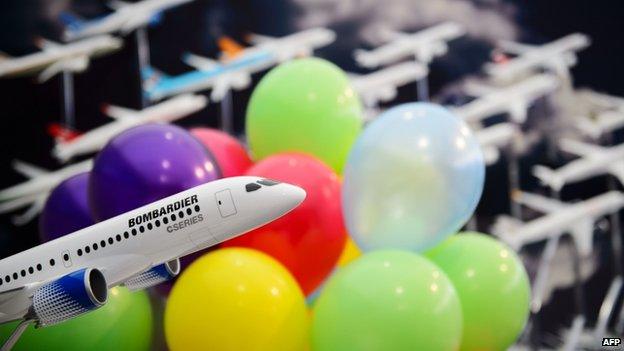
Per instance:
(123,323)
(145,164)
(387,300)
(492,285)
(310,239)
(236,299)
(230,154)
(305,105)
(414,176)
(67,209)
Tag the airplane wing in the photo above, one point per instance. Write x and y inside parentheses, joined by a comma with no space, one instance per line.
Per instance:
(617,170)
(119,113)
(580,148)
(9,294)
(512,47)
(537,202)
(117,4)
(28,170)
(200,62)
(260,39)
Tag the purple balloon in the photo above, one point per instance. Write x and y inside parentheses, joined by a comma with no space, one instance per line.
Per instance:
(145,164)
(66,210)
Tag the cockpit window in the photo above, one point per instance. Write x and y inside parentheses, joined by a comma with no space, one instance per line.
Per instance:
(252,187)
(268,182)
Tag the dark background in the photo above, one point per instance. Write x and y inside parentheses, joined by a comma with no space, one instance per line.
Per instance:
(26,107)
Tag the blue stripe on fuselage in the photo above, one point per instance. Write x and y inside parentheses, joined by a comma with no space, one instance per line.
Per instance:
(168,85)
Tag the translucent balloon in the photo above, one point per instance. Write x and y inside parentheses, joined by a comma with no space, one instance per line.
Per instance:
(492,285)
(413,177)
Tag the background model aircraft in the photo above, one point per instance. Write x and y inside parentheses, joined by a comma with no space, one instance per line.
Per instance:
(577,219)
(67,277)
(513,100)
(126,18)
(382,85)
(234,72)
(598,114)
(93,140)
(56,58)
(423,45)
(556,57)
(595,160)
(35,191)
(493,139)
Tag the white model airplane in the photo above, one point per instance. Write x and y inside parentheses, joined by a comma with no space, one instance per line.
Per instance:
(235,72)
(126,18)
(595,160)
(35,191)
(577,219)
(493,139)
(423,45)
(556,57)
(513,100)
(93,140)
(70,276)
(598,114)
(56,58)
(382,85)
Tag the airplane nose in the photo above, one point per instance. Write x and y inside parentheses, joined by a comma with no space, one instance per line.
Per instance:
(294,196)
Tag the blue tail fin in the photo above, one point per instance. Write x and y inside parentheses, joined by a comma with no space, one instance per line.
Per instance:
(71,21)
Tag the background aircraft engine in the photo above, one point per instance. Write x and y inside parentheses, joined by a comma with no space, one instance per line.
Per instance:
(70,296)
(154,275)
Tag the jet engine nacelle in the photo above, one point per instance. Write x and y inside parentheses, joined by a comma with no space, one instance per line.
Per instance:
(154,276)
(70,296)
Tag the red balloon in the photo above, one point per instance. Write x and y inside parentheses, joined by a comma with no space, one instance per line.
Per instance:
(310,239)
(230,154)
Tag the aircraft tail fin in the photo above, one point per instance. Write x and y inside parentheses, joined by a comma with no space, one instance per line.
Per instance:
(548,177)
(229,47)
(72,21)
(61,133)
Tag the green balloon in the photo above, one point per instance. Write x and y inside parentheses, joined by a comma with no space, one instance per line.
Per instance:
(387,301)
(305,105)
(492,285)
(124,323)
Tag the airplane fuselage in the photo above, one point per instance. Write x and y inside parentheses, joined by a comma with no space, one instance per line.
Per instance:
(126,245)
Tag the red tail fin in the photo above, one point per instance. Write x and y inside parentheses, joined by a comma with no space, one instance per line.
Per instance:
(62,133)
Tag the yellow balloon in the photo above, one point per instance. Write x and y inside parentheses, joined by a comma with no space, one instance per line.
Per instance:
(349,253)
(236,299)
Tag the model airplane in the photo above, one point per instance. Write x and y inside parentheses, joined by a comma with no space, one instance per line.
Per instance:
(577,219)
(382,85)
(236,72)
(56,58)
(423,45)
(598,114)
(595,160)
(126,18)
(513,100)
(93,140)
(70,276)
(35,191)
(556,57)
(493,139)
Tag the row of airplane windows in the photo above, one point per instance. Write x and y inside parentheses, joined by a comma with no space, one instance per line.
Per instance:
(102,244)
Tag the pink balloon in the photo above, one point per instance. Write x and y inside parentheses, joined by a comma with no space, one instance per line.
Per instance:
(230,154)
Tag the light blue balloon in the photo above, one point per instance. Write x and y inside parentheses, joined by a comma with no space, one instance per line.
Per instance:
(413,177)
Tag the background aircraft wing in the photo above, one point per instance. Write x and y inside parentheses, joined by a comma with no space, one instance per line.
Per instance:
(580,148)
